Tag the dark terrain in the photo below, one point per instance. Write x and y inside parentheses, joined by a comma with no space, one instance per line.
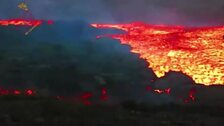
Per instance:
(34,111)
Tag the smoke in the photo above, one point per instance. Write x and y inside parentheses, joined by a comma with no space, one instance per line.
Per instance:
(190,12)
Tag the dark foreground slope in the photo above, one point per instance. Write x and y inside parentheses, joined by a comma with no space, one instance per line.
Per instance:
(66,59)
(33,111)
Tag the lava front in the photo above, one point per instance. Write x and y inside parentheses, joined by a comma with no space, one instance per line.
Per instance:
(196,51)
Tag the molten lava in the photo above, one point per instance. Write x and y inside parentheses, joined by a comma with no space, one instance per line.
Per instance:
(196,51)
(20,22)
(24,22)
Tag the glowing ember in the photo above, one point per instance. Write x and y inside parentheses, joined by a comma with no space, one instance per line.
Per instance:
(197,52)
(27,92)
(17,92)
(86,97)
(166,91)
(191,95)
(148,88)
(104,96)
(3,92)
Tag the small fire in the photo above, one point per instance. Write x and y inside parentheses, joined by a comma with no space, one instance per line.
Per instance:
(196,51)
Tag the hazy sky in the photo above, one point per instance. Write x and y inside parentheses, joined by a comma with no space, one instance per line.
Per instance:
(192,12)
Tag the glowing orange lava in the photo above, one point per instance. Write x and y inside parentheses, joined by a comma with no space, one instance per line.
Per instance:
(195,51)
(24,22)
(20,22)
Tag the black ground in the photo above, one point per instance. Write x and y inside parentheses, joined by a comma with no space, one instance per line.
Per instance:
(33,111)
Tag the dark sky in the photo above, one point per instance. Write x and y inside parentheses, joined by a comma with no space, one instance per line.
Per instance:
(189,12)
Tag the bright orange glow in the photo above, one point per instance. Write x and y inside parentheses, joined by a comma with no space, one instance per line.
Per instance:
(166,91)
(20,22)
(24,22)
(196,51)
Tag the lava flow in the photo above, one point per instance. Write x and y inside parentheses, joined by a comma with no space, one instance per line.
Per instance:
(20,22)
(23,22)
(195,51)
